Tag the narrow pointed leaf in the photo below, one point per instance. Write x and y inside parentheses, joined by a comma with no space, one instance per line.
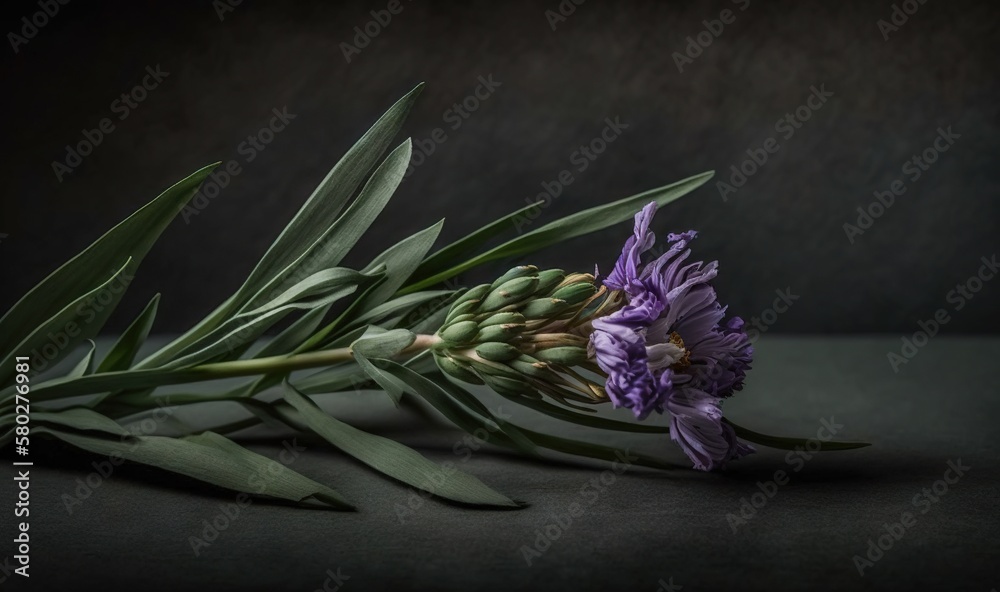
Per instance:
(310,224)
(396,460)
(400,261)
(328,200)
(295,334)
(213,459)
(333,245)
(597,451)
(86,315)
(85,272)
(86,364)
(124,350)
(571,226)
(783,443)
(459,250)
(587,419)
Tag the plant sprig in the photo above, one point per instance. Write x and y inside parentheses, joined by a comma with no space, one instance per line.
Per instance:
(391,309)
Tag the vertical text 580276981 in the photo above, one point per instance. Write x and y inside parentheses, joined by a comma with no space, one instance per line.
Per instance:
(22,477)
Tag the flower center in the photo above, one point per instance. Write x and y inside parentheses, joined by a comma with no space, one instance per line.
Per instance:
(684,360)
(668,355)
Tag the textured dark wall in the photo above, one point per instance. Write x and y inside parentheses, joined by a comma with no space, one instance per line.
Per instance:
(783,229)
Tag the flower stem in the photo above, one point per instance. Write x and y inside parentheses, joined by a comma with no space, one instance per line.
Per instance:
(155,377)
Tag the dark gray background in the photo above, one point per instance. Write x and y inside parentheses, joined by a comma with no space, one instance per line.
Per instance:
(782,230)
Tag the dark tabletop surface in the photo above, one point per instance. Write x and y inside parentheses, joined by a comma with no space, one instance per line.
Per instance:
(635,530)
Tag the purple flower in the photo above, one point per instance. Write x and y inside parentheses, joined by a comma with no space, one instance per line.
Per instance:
(668,348)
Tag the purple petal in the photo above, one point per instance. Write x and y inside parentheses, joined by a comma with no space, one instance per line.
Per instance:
(626,270)
(696,426)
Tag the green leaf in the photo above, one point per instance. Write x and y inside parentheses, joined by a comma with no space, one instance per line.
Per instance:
(783,443)
(213,459)
(124,350)
(571,226)
(589,420)
(295,334)
(86,363)
(333,379)
(111,381)
(334,244)
(429,317)
(85,315)
(81,418)
(596,451)
(389,383)
(398,305)
(383,344)
(469,401)
(245,328)
(400,260)
(88,270)
(325,204)
(310,225)
(396,460)
(469,414)
(455,252)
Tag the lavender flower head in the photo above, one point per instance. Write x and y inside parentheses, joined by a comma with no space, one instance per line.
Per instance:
(668,347)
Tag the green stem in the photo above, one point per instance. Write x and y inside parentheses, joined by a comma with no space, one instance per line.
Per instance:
(155,377)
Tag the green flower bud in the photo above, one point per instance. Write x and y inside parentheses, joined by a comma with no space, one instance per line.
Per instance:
(532,367)
(457,370)
(462,332)
(575,293)
(476,293)
(462,318)
(503,318)
(544,308)
(576,278)
(512,387)
(495,351)
(501,333)
(510,292)
(548,279)
(459,310)
(566,356)
(514,273)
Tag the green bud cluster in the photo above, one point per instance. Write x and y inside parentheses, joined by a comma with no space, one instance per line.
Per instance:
(522,334)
